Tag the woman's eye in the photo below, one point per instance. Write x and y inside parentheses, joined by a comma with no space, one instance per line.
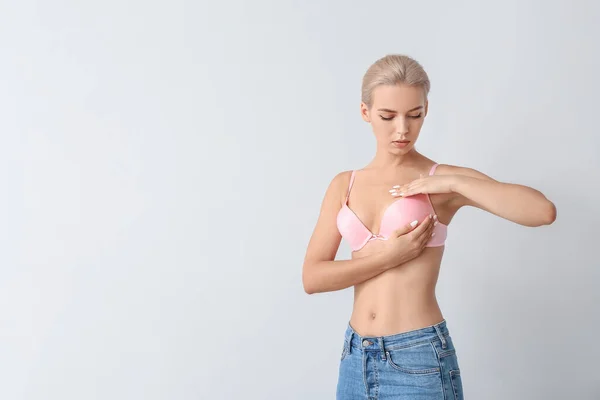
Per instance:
(410,116)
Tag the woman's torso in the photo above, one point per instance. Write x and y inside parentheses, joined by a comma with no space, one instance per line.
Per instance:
(402,298)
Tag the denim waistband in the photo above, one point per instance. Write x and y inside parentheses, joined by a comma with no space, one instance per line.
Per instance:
(396,341)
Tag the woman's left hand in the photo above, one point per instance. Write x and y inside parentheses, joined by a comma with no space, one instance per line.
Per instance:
(427,185)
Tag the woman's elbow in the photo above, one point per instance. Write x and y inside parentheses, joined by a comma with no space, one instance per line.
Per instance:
(308,289)
(308,280)
(549,215)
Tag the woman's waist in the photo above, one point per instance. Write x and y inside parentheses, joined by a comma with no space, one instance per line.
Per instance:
(426,329)
(395,315)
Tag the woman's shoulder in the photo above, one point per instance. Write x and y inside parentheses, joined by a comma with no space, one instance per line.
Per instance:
(338,186)
(451,169)
(443,169)
(448,169)
(341,179)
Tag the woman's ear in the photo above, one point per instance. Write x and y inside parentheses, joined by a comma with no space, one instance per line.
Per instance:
(365,113)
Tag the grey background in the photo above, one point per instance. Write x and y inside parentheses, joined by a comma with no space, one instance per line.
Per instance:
(162,166)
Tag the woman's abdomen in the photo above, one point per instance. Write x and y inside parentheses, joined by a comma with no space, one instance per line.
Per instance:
(400,299)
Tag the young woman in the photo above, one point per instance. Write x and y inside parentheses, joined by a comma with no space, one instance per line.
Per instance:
(395,213)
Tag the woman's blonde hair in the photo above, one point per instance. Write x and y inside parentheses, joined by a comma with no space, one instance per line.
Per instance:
(393,69)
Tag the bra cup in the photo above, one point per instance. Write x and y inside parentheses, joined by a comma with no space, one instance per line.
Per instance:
(399,213)
(352,229)
(404,211)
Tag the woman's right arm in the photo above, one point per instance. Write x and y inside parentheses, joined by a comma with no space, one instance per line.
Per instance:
(322,273)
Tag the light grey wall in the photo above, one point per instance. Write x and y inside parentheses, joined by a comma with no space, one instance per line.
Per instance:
(162,165)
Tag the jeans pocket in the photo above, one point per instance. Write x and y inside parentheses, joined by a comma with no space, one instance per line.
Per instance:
(418,359)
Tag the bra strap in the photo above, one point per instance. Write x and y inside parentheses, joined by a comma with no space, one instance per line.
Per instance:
(432,171)
(350,185)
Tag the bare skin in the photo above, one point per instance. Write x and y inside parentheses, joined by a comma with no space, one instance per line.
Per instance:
(394,280)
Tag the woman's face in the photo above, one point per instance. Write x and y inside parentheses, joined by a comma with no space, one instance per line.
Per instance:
(396,116)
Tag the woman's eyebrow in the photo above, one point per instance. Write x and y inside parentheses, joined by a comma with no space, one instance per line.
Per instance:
(394,111)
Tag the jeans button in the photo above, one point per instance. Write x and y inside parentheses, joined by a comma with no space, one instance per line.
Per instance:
(366,343)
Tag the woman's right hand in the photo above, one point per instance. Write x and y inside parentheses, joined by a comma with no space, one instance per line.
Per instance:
(409,241)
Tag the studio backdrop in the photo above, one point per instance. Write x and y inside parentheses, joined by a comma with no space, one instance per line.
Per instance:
(162,165)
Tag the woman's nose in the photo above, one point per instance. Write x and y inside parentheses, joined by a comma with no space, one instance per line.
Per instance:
(402,126)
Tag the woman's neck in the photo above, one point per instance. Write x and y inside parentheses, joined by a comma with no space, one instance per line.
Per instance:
(386,161)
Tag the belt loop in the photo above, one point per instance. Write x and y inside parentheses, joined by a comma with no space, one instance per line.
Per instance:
(380,340)
(442,338)
(349,344)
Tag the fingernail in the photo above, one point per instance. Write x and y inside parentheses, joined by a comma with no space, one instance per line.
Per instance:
(396,187)
(435,223)
(430,216)
(414,223)
(392,191)
(401,194)
(433,234)
(435,217)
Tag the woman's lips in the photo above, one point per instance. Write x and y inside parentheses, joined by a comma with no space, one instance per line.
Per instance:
(401,143)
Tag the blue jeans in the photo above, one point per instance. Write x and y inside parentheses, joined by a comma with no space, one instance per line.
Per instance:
(416,365)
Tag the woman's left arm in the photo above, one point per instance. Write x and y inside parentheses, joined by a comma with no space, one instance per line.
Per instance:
(517,203)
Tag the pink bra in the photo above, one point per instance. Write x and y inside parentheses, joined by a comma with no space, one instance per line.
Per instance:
(399,213)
